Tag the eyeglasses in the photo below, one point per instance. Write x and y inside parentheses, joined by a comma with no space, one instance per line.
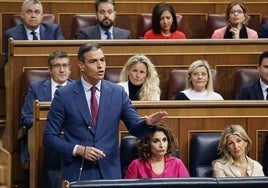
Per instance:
(31,12)
(237,11)
(58,66)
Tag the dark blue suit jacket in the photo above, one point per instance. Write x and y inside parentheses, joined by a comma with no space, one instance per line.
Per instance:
(69,111)
(263,31)
(251,91)
(48,31)
(40,90)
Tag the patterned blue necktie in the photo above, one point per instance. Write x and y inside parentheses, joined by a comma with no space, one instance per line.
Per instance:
(108,35)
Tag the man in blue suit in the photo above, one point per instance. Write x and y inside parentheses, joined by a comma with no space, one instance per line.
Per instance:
(32,28)
(43,90)
(258,89)
(90,150)
(264,31)
(105,13)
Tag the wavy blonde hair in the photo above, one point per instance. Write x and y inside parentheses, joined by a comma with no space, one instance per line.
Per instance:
(150,88)
(232,130)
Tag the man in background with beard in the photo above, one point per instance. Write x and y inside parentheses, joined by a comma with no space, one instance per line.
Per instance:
(104,30)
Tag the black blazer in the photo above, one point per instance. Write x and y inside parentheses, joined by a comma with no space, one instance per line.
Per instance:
(251,91)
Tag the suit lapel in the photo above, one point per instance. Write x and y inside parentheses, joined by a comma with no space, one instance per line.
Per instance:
(115,33)
(105,99)
(258,90)
(47,90)
(80,98)
(96,32)
(23,33)
(42,32)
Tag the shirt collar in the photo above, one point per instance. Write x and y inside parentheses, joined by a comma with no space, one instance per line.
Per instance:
(37,30)
(103,31)
(263,85)
(54,84)
(87,86)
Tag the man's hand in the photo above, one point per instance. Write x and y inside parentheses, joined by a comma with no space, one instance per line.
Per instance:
(90,153)
(155,118)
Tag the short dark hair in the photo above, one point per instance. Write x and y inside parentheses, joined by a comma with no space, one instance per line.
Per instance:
(262,56)
(156,15)
(86,48)
(57,54)
(98,2)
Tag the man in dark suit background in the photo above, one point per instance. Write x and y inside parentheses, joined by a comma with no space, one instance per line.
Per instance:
(105,13)
(43,90)
(264,31)
(32,27)
(258,89)
(90,146)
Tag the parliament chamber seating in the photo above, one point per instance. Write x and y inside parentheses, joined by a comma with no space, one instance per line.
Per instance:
(176,82)
(265,157)
(216,21)
(242,182)
(28,76)
(5,168)
(128,152)
(203,150)
(264,20)
(112,74)
(245,182)
(11,20)
(80,21)
(243,77)
(145,23)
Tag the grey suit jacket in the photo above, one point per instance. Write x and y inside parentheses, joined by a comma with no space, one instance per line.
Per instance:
(93,32)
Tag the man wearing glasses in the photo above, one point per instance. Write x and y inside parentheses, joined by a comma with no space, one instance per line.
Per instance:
(105,13)
(33,28)
(43,90)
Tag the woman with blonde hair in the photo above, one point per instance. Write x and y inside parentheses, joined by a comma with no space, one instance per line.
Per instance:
(234,146)
(198,83)
(140,79)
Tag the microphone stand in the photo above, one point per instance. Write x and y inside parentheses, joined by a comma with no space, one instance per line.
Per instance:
(83,157)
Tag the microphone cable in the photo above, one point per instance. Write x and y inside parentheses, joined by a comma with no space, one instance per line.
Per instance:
(83,157)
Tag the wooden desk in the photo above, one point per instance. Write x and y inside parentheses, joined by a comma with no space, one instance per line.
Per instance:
(185,118)
(226,56)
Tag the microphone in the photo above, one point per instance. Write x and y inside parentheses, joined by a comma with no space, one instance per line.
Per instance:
(83,157)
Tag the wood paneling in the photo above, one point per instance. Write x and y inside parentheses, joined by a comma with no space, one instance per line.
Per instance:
(185,118)
(226,56)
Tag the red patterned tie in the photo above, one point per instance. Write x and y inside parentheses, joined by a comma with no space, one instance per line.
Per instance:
(94,105)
